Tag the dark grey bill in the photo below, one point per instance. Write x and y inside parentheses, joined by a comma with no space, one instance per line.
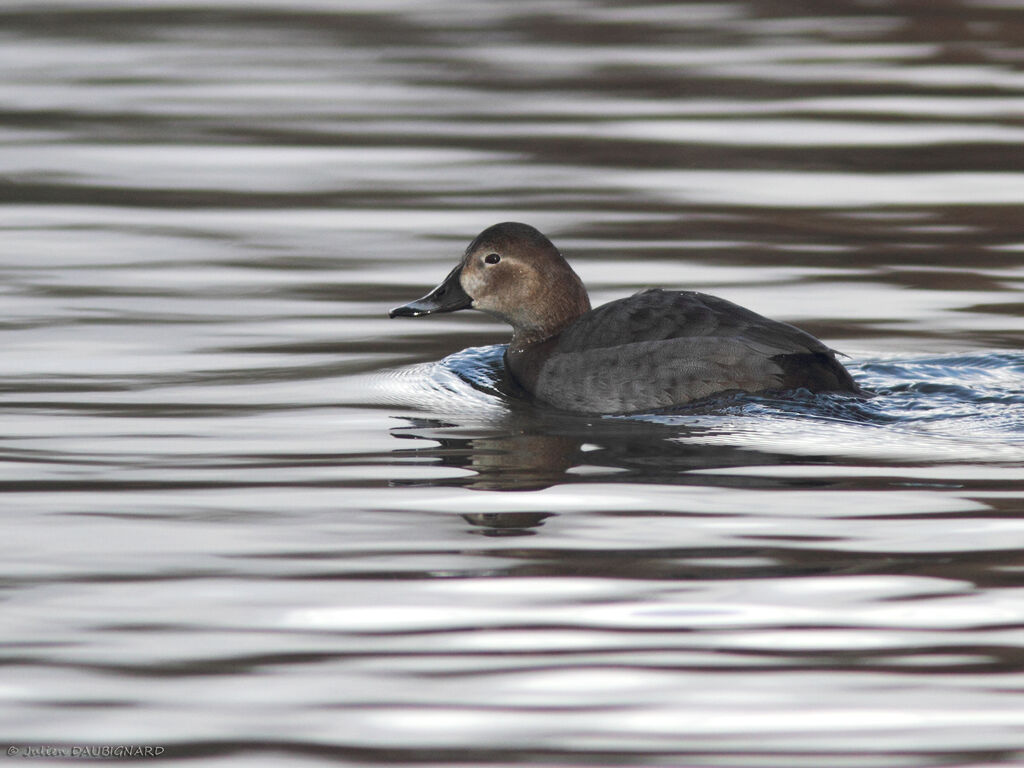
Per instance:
(447,297)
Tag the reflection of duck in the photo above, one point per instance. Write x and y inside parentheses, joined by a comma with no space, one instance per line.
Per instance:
(652,350)
(529,453)
(500,460)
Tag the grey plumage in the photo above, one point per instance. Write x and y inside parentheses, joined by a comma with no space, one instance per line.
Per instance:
(662,348)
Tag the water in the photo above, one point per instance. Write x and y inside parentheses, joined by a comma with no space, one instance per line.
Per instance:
(248,520)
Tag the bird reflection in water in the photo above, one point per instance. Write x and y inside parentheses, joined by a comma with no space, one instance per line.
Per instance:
(527,454)
(527,447)
(500,460)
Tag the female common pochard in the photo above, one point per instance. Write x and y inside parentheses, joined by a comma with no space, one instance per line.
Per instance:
(650,351)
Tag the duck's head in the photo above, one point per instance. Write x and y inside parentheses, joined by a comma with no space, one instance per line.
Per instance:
(515,273)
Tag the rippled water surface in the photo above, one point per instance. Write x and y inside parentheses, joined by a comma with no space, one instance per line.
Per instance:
(249,520)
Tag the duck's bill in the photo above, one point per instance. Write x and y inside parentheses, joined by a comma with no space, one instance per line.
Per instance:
(447,297)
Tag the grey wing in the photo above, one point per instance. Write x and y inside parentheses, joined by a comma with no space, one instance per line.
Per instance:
(662,348)
(654,374)
(657,315)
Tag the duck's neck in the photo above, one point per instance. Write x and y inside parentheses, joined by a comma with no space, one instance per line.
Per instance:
(560,312)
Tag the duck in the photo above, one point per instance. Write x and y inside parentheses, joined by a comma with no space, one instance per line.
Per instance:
(652,351)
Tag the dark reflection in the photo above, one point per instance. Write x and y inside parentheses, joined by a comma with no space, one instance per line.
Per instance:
(503,460)
(507,523)
(530,452)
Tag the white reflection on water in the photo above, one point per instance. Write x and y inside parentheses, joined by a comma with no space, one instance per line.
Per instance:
(835,190)
(806,133)
(238,168)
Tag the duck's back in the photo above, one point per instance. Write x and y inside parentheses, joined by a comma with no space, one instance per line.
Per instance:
(660,348)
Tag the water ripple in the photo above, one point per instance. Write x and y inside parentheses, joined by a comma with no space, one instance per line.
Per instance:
(249,519)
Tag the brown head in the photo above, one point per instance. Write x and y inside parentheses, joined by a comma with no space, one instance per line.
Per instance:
(513,272)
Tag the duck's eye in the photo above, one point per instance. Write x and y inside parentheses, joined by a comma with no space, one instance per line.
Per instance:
(492,258)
